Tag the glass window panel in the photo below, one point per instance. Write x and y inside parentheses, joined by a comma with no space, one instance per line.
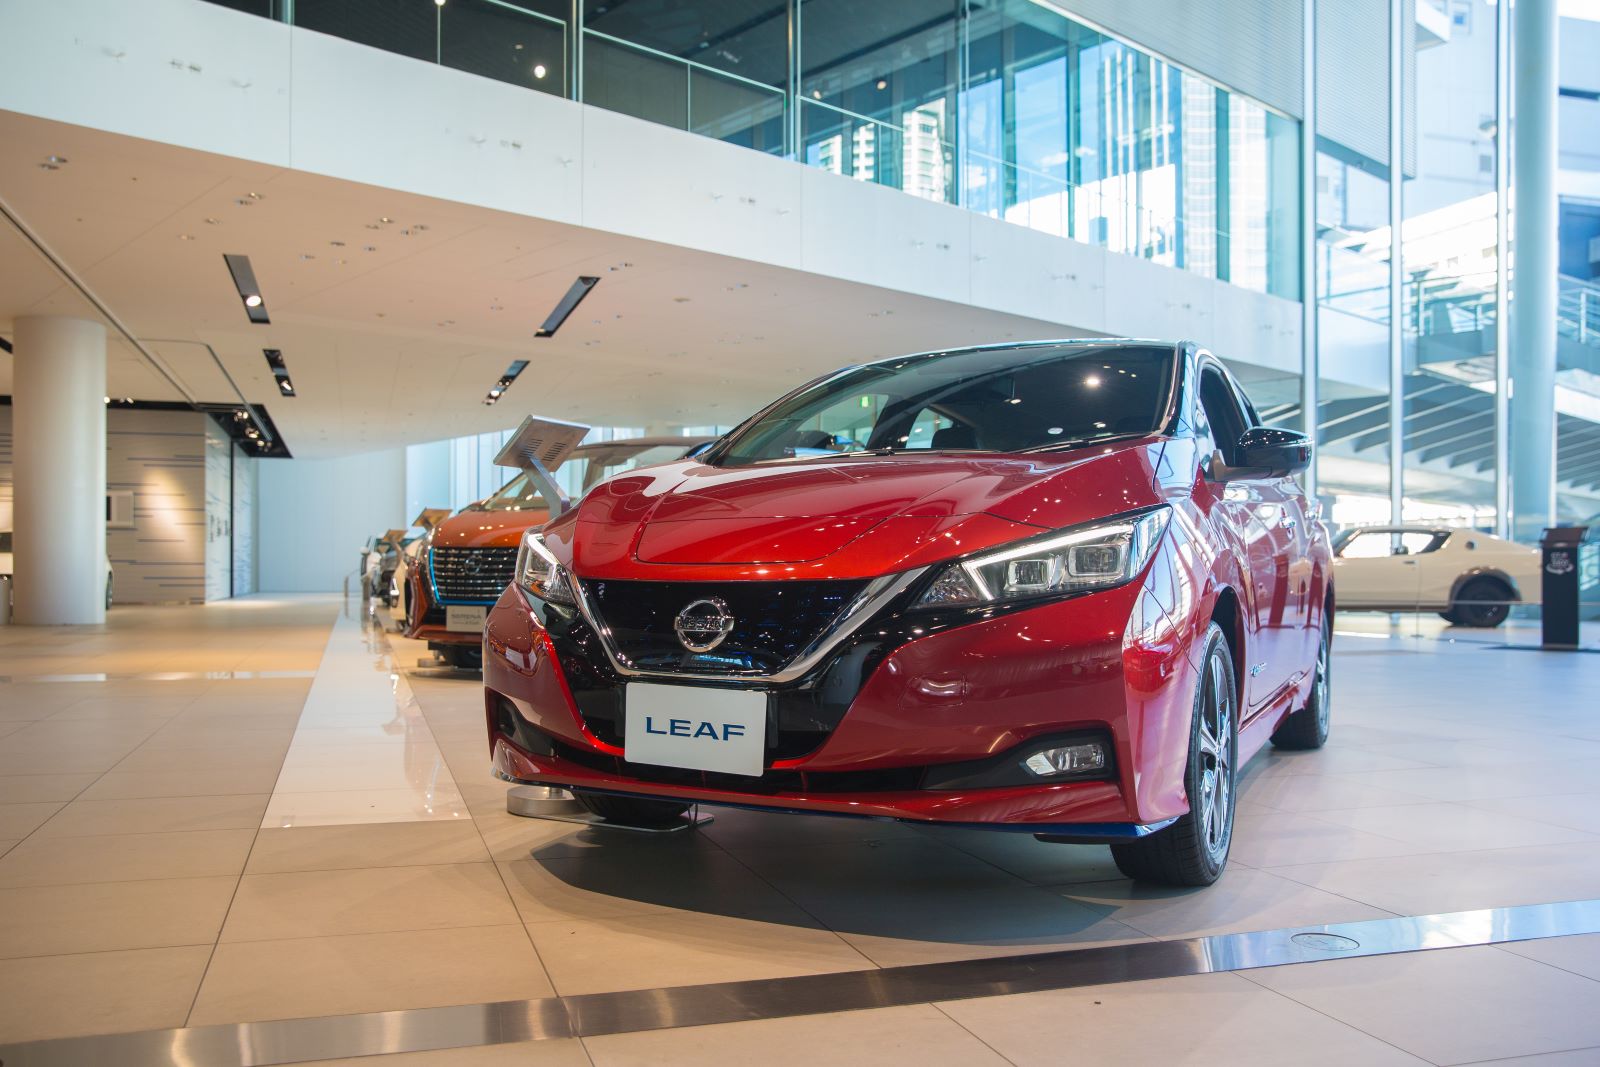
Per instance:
(740,37)
(621,78)
(735,111)
(406,27)
(509,45)
(887,72)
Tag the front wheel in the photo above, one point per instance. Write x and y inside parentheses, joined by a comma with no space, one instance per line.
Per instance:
(632,811)
(1194,850)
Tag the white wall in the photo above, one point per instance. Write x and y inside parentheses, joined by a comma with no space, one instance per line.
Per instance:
(313,515)
(204,77)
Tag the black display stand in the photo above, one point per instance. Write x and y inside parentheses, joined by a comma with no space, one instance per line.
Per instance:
(1560,547)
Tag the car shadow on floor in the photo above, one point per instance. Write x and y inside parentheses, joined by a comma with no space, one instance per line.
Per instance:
(864,880)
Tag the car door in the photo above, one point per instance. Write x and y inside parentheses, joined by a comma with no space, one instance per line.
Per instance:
(1376,569)
(1258,510)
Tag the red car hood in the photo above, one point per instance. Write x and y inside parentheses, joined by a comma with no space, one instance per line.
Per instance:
(487,529)
(855,517)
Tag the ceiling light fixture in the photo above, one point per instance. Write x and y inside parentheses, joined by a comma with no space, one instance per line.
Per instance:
(57,160)
(498,389)
(244,280)
(574,296)
(280,370)
(539,70)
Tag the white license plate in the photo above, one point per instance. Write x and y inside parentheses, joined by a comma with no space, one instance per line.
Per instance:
(466,619)
(700,729)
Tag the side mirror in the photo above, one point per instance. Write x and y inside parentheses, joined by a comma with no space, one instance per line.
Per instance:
(1266,452)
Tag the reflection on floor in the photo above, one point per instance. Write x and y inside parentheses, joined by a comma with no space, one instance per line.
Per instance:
(193,849)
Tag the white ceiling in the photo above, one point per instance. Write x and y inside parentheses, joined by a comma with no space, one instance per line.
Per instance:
(399,344)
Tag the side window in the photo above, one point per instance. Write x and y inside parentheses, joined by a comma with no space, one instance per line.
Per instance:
(1369,545)
(1223,412)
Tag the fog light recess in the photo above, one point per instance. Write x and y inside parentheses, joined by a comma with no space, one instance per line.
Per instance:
(1082,758)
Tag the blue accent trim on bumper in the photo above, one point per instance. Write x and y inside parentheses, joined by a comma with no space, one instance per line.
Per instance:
(433,587)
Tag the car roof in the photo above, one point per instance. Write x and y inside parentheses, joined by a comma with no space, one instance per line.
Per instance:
(1106,342)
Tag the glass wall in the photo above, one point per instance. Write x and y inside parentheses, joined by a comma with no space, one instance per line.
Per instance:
(1352,287)
(1006,107)
(518,41)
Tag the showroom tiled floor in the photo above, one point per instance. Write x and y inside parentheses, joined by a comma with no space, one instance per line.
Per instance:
(262,810)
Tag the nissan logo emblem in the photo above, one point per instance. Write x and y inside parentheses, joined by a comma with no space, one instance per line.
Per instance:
(704,624)
(472,564)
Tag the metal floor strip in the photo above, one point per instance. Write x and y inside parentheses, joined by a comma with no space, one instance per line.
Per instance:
(594,1014)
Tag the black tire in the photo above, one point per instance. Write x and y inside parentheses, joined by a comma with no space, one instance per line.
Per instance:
(632,811)
(1481,603)
(1194,850)
(1307,728)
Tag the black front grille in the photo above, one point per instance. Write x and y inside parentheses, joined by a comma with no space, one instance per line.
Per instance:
(773,621)
(475,574)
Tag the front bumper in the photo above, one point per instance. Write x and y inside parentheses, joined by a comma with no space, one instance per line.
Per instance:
(916,710)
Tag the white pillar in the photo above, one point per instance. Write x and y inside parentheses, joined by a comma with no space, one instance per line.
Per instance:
(59,466)
(1532,434)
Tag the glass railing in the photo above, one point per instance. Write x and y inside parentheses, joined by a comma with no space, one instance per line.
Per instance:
(489,38)
(635,80)
(911,145)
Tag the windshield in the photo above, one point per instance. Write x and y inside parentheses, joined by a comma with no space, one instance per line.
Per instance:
(981,400)
(588,466)
(587,469)
(519,494)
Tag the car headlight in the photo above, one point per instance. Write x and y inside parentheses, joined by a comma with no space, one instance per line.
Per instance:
(539,573)
(1082,560)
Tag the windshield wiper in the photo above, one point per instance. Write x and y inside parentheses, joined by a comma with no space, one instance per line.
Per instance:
(1080,442)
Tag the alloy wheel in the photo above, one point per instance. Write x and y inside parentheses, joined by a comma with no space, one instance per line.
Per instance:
(1323,685)
(1215,807)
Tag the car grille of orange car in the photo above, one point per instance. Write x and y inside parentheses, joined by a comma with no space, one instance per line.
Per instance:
(477,575)
(773,621)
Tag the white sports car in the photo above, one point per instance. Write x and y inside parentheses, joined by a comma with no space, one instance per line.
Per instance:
(1470,578)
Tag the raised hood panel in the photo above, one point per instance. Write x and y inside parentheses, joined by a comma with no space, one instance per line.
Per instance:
(842,518)
(487,529)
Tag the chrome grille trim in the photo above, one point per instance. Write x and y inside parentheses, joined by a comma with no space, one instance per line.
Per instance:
(866,604)
(478,575)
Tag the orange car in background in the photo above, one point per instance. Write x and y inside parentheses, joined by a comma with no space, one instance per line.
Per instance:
(468,559)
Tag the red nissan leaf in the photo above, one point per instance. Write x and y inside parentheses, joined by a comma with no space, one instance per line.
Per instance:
(1065,588)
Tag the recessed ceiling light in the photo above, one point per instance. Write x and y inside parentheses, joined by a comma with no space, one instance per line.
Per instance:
(498,389)
(373,226)
(385,219)
(280,370)
(244,201)
(539,70)
(213,222)
(57,160)
(305,256)
(244,280)
(420,227)
(816,94)
(883,83)
(255,196)
(185,236)
(369,248)
(574,295)
(337,244)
